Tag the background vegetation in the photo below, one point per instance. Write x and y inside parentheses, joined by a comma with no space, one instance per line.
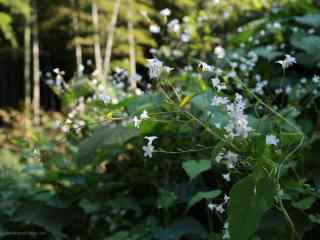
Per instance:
(161,120)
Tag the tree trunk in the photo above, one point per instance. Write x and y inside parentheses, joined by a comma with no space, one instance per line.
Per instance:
(97,47)
(36,64)
(111,30)
(76,31)
(27,71)
(132,50)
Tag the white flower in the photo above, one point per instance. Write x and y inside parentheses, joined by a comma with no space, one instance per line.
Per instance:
(150,139)
(206,67)
(154,28)
(288,89)
(287,62)
(219,208)
(167,69)
(144,115)
(136,121)
(277,25)
(316,79)
(165,12)
(174,26)
(104,98)
(232,74)
(185,37)
(155,68)
(211,206)
(148,150)
(217,101)
(272,140)
(217,84)
(226,199)
(219,157)
(226,177)
(303,80)
(220,52)
(232,159)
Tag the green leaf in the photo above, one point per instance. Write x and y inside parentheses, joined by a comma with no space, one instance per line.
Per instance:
(311,20)
(166,198)
(185,227)
(195,168)
(53,220)
(138,104)
(315,218)
(203,100)
(305,203)
(203,195)
(88,206)
(102,137)
(119,236)
(310,44)
(249,200)
(268,54)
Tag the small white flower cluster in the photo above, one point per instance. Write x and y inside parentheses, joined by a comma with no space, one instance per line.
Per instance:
(272,140)
(119,77)
(149,148)
(219,101)
(100,93)
(244,64)
(238,123)
(219,208)
(137,121)
(104,97)
(156,68)
(217,84)
(71,122)
(260,84)
(58,81)
(230,159)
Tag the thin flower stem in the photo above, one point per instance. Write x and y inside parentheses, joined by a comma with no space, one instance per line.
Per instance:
(183,151)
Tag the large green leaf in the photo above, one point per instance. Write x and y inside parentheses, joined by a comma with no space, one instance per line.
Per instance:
(304,203)
(311,20)
(166,199)
(250,198)
(53,220)
(203,195)
(269,54)
(185,227)
(310,44)
(140,103)
(102,137)
(195,168)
